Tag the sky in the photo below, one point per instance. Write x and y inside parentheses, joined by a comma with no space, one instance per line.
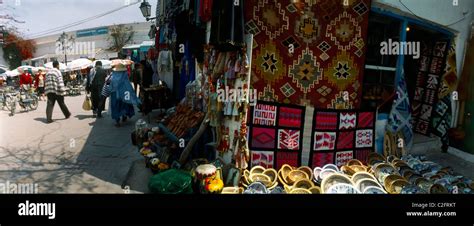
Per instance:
(43,15)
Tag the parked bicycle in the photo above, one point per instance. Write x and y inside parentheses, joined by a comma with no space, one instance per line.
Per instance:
(27,100)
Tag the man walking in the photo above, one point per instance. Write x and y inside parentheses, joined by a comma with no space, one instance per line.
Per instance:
(95,83)
(54,89)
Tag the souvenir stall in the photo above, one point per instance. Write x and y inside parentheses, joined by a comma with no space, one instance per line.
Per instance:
(264,110)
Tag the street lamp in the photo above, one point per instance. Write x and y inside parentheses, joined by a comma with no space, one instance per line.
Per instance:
(145,7)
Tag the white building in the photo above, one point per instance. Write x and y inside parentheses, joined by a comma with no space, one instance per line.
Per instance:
(88,43)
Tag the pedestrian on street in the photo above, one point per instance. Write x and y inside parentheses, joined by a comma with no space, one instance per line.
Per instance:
(136,76)
(39,84)
(122,95)
(55,91)
(25,79)
(95,82)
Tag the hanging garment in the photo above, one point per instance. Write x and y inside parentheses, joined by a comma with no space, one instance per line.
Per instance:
(227,31)
(165,67)
(188,72)
(205,10)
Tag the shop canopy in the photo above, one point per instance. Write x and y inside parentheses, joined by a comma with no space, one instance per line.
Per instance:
(79,64)
(143,47)
(62,67)
(106,64)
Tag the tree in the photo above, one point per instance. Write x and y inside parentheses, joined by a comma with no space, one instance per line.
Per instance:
(17,49)
(120,35)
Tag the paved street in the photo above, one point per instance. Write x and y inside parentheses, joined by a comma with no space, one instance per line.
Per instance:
(77,155)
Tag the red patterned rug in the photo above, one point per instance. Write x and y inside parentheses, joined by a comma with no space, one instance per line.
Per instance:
(312,55)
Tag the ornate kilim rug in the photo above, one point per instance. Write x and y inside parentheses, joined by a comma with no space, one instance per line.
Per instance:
(276,135)
(341,135)
(430,72)
(312,55)
(442,113)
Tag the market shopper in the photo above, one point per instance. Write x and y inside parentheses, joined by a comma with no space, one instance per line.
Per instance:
(54,89)
(25,79)
(122,96)
(136,76)
(95,82)
(39,84)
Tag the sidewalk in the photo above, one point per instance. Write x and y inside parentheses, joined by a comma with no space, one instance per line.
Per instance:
(77,155)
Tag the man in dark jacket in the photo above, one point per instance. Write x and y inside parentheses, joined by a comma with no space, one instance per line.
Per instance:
(95,82)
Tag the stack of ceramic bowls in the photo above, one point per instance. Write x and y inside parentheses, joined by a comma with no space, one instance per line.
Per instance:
(268,177)
(297,180)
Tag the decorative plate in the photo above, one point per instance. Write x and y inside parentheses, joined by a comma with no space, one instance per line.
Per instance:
(374,190)
(278,190)
(347,170)
(333,179)
(357,168)
(438,189)
(342,189)
(316,172)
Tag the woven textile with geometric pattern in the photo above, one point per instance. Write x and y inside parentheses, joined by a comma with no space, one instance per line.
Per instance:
(308,55)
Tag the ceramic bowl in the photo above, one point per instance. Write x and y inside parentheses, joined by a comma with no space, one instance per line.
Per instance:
(362,175)
(374,190)
(256,188)
(316,172)
(333,179)
(342,189)
(397,186)
(326,173)
(390,178)
(278,190)
(383,170)
(411,190)
(362,184)
(331,166)
(438,189)
(284,171)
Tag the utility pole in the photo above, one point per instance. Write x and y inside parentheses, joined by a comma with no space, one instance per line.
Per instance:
(66,43)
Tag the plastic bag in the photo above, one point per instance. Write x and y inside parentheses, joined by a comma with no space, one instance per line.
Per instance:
(87,105)
(172,181)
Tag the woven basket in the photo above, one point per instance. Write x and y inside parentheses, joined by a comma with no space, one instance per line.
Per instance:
(232,190)
(296,175)
(257,169)
(300,191)
(362,175)
(260,177)
(307,170)
(354,162)
(273,174)
(357,168)
(347,171)
(315,190)
(303,183)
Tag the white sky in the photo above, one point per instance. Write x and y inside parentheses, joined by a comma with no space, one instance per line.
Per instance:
(42,15)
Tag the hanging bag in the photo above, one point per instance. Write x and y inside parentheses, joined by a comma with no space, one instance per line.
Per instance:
(87,105)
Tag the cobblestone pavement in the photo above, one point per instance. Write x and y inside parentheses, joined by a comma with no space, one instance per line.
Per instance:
(76,155)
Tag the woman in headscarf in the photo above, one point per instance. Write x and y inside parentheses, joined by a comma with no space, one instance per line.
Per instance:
(122,95)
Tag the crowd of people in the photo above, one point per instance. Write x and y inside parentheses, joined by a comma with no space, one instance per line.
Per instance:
(100,84)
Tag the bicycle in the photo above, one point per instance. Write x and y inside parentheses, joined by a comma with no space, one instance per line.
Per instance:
(27,100)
